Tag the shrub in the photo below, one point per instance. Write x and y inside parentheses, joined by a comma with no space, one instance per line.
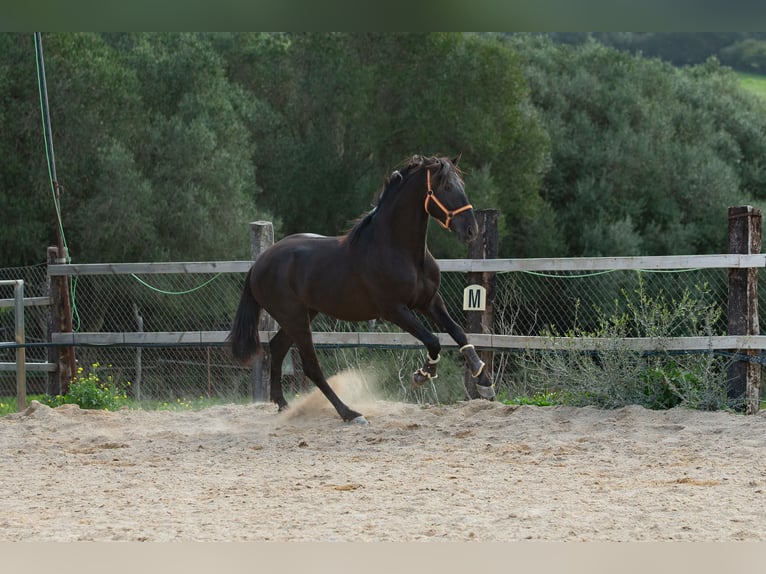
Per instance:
(94,389)
(614,376)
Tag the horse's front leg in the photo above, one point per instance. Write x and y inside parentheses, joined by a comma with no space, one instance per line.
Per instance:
(406,319)
(478,369)
(427,372)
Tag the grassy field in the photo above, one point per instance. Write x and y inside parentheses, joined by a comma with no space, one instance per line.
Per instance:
(755,83)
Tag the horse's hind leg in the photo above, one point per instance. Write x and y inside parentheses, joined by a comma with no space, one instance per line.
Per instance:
(278,346)
(302,337)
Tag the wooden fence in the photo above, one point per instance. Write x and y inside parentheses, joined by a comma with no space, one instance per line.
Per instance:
(743,337)
(735,342)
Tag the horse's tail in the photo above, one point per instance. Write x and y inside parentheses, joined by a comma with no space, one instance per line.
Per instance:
(244,330)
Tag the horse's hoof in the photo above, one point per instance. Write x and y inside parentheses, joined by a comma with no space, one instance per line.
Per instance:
(486,392)
(360,420)
(421,377)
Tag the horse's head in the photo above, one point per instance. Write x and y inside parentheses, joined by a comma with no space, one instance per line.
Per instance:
(446,200)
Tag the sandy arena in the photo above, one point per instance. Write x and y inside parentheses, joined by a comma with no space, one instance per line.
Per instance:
(472,471)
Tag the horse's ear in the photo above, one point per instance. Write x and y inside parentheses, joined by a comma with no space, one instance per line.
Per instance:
(456,159)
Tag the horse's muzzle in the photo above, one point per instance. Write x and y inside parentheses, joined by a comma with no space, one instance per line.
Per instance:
(465,227)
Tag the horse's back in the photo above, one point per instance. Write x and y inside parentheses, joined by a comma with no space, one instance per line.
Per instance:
(295,254)
(304,270)
(329,275)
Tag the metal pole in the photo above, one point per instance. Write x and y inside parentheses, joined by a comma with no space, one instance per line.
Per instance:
(46,109)
(63,256)
(21,351)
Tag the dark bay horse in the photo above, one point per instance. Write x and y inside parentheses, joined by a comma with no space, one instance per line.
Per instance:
(381,269)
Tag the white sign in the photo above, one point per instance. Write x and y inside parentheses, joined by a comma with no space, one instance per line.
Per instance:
(474,298)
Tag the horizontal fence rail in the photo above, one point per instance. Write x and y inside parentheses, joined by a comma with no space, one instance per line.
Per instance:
(28,302)
(392,340)
(669,262)
(149,268)
(368,339)
(29,367)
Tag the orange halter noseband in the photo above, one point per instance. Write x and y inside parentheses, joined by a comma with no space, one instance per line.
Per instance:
(430,196)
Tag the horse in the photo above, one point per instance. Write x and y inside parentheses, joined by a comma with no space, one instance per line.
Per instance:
(380,269)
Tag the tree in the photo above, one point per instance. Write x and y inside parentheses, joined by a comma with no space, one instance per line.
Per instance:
(26,204)
(342,110)
(153,148)
(466,94)
(195,147)
(645,157)
(749,55)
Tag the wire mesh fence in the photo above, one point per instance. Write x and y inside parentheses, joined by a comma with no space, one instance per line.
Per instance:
(635,303)
(613,305)
(35,318)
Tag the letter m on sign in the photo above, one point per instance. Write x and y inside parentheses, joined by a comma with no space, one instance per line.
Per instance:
(474,298)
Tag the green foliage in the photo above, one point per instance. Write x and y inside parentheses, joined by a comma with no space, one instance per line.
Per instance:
(753,83)
(94,389)
(668,384)
(678,48)
(8,405)
(167,144)
(341,110)
(615,376)
(541,399)
(645,157)
(25,224)
(152,149)
(749,55)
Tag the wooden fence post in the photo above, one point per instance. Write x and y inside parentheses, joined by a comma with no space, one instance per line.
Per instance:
(744,377)
(60,322)
(262,237)
(484,247)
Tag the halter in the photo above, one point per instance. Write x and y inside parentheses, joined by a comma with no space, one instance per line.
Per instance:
(430,196)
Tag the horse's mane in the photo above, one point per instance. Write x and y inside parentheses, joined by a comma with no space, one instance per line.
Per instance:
(390,185)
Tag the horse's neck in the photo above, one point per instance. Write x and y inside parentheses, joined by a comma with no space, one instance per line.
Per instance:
(403,224)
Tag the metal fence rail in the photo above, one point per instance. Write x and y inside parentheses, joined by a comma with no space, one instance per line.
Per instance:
(20,365)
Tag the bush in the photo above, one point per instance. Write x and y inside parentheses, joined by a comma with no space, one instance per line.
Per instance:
(614,376)
(748,55)
(95,389)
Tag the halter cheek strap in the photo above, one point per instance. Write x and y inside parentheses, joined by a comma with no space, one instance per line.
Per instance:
(430,196)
